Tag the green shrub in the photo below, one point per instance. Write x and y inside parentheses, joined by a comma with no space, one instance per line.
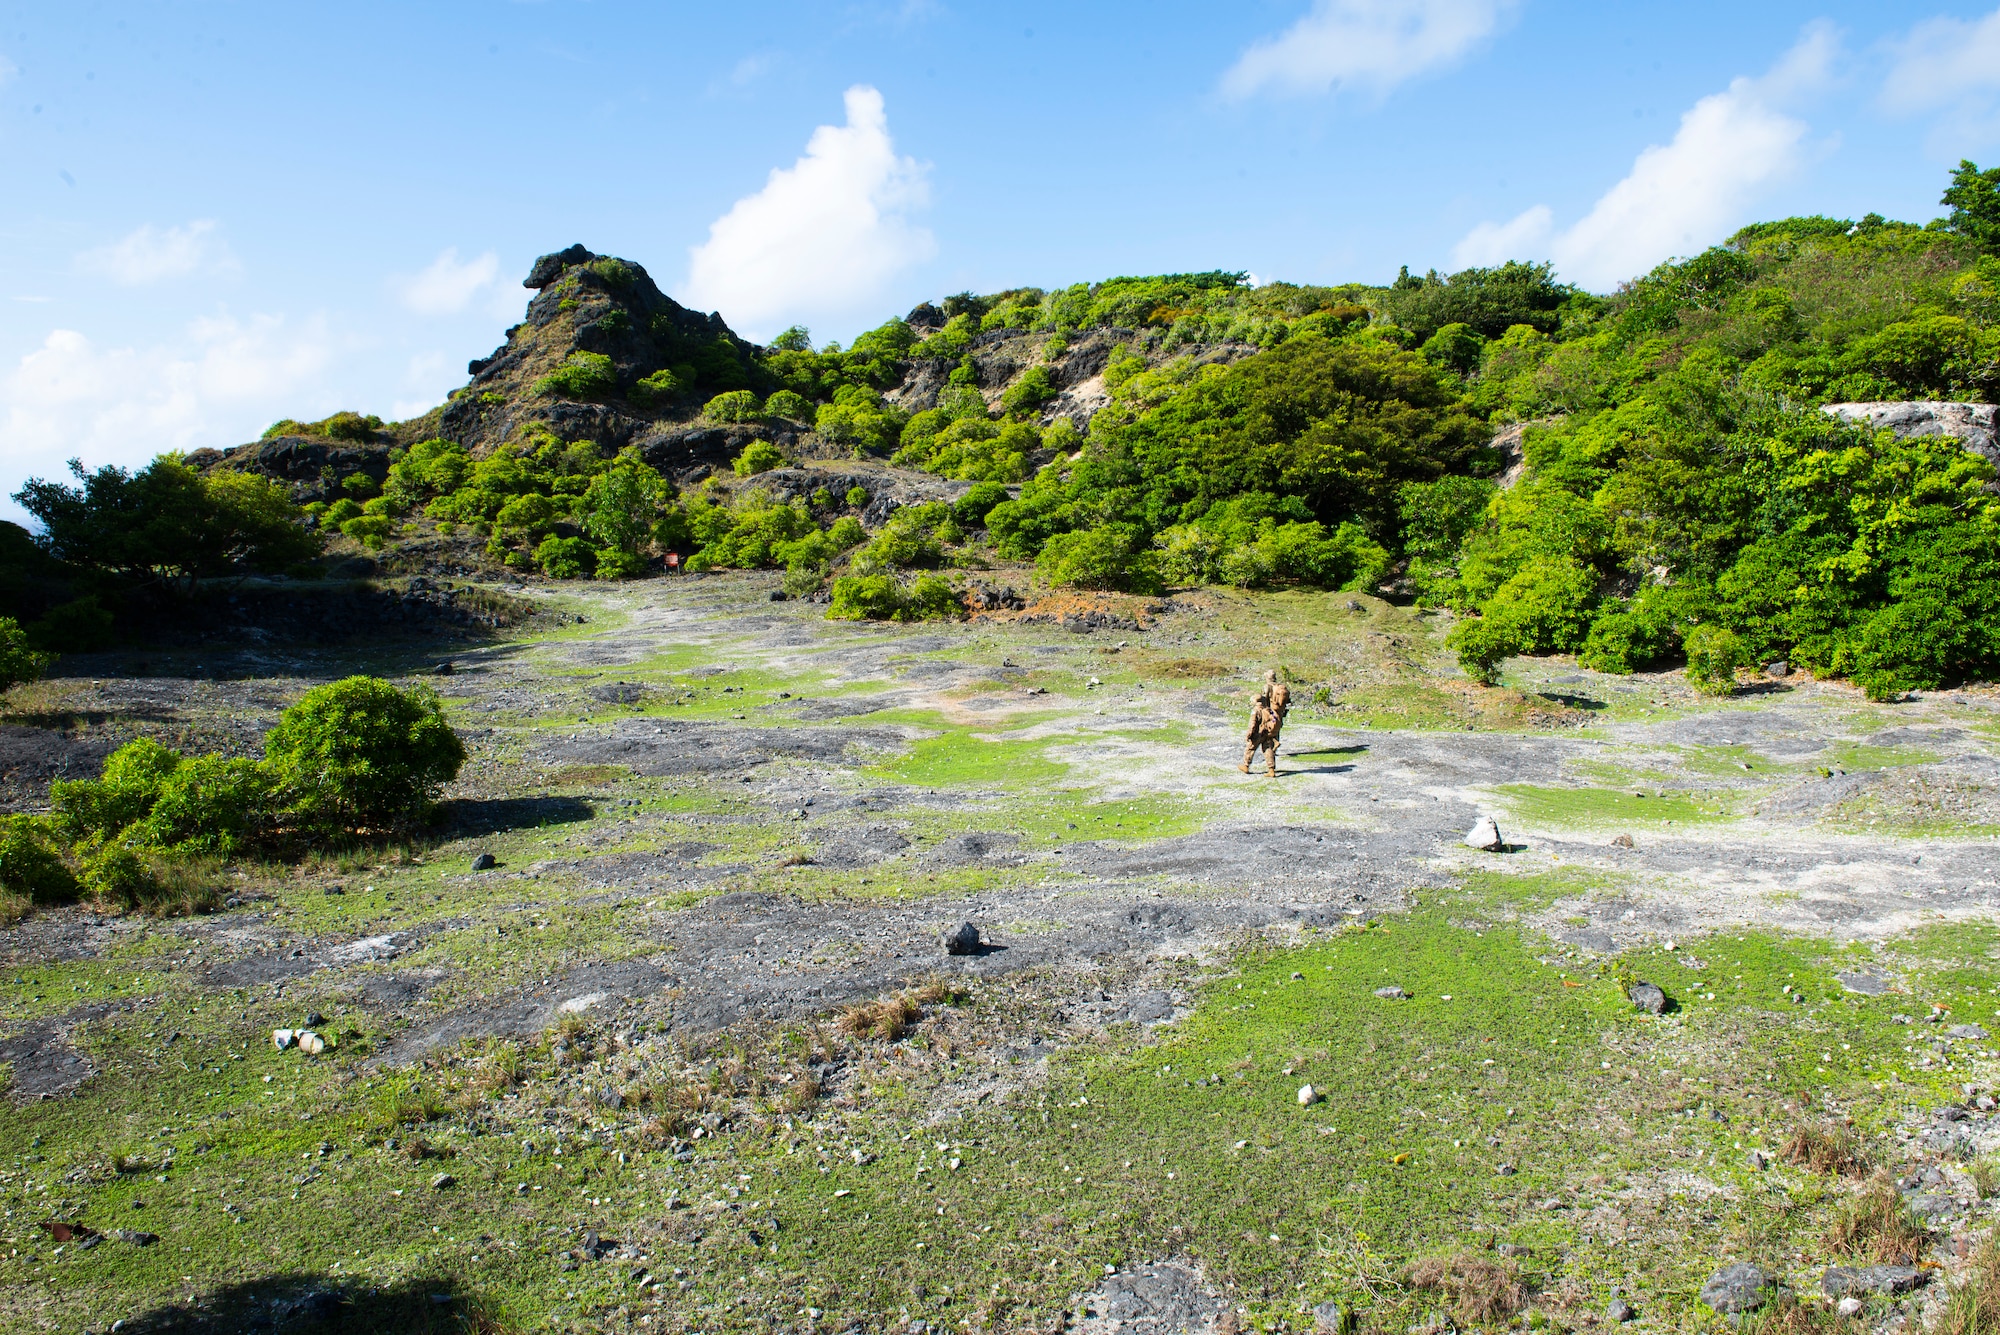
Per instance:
(583,375)
(803,579)
(785,403)
(342,510)
(882,598)
(1025,397)
(565,558)
(30,864)
(359,754)
(357,427)
(360,486)
(208,804)
(1104,557)
(909,538)
(121,875)
(845,533)
(102,808)
(1713,655)
(617,563)
(978,500)
(80,626)
(738,405)
(1482,644)
(857,497)
(662,386)
(19,660)
(369,530)
(759,456)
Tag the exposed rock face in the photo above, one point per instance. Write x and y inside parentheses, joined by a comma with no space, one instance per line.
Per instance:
(1972,423)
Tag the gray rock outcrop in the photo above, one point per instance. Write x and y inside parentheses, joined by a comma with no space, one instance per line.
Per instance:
(1971,423)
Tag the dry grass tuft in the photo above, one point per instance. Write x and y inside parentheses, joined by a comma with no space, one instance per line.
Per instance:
(1825,1147)
(13,907)
(885,1018)
(1973,1305)
(501,1068)
(1876,1226)
(1478,1287)
(1788,1316)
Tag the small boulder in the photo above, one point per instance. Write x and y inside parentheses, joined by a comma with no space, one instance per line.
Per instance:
(1332,1318)
(1843,1281)
(484,862)
(1780,668)
(442,1181)
(1485,835)
(1648,997)
(1308,1096)
(444,669)
(961,940)
(1738,1288)
(1619,1311)
(284,1038)
(314,1019)
(1965,1031)
(135,1237)
(1849,1307)
(1392,993)
(1622,841)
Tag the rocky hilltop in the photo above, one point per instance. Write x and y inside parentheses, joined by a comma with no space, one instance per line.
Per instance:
(603,355)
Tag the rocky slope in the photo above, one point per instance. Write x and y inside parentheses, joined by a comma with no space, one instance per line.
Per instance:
(589,306)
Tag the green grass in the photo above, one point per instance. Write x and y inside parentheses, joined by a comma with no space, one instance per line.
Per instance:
(1540,805)
(961,758)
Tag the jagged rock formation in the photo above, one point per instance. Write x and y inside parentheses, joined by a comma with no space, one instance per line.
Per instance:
(1972,423)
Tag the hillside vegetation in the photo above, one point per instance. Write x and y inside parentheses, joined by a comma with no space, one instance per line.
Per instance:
(1640,479)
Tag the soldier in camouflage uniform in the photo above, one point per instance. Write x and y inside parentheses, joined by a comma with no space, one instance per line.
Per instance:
(1267,720)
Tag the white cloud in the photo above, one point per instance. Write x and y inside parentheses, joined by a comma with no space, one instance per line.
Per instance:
(1950,66)
(1371,45)
(150,255)
(449,284)
(824,236)
(1680,196)
(224,379)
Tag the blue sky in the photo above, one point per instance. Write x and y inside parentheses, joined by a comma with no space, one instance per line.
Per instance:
(220,214)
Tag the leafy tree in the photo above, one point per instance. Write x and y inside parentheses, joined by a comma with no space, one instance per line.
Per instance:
(1488,302)
(360,754)
(622,504)
(1713,655)
(1974,196)
(168,524)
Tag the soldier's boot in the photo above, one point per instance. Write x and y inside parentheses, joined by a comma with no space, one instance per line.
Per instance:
(1272,772)
(1249,754)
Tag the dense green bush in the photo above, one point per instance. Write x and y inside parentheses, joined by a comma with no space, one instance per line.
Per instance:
(660,387)
(759,456)
(738,405)
(788,403)
(121,797)
(1713,655)
(207,804)
(30,864)
(565,558)
(883,598)
(1109,556)
(582,375)
(978,501)
(360,754)
(168,525)
(20,661)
